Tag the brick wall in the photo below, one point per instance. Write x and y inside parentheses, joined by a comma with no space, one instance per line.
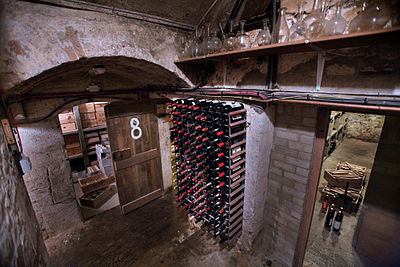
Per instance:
(289,173)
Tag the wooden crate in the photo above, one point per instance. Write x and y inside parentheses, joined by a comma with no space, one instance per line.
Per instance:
(73,151)
(68,127)
(88,107)
(97,198)
(350,202)
(66,118)
(88,116)
(71,140)
(89,123)
(100,106)
(340,178)
(95,182)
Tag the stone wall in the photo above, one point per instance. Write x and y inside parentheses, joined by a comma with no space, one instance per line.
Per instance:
(291,159)
(366,127)
(49,183)
(31,30)
(258,146)
(21,242)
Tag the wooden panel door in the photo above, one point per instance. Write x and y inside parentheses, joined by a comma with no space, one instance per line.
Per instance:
(135,148)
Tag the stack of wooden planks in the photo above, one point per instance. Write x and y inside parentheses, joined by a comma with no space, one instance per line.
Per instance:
(346,174)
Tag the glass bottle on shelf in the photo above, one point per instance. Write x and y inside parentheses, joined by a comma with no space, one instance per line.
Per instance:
(313,22)
(243,40)
(196,43)
(182,53)
(337,24)
(298,30)
(216,43)
(223,36)
(355,24)
(229,43)
(280,33)
(264,37)
(317,28)
(206,45)
(377,15)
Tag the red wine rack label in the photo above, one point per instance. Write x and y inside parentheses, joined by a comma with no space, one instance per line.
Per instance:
(209,162)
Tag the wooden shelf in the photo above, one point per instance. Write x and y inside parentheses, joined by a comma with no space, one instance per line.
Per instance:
(103,127)
(77,156)
(72,132)
(331,42)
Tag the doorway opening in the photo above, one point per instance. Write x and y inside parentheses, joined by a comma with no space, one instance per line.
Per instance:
(350,147)
(87,147)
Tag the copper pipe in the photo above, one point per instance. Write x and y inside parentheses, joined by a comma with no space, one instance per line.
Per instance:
(340,105)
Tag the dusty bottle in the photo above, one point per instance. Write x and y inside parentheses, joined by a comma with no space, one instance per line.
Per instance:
(338,220)
(329,216)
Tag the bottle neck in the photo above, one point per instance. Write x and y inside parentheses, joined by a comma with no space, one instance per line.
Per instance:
(242,27)
(339,10)
(316,6)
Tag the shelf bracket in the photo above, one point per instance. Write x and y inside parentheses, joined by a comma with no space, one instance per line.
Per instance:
(320,63)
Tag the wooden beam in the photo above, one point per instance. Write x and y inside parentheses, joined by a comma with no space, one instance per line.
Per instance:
(319,145)
(81,136)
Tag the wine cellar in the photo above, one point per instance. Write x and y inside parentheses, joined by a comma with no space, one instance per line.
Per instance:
(209,143)
(199,133)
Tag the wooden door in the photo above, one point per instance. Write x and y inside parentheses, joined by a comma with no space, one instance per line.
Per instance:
(135,149)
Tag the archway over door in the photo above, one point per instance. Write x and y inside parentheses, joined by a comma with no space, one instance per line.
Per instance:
(42,97)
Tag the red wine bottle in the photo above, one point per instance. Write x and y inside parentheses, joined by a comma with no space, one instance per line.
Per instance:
(329,216)
(338,220)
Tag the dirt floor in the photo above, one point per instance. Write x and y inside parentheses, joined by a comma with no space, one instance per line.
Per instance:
(328,248)
(156,234)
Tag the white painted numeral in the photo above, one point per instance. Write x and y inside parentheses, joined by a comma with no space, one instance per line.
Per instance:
(135,126)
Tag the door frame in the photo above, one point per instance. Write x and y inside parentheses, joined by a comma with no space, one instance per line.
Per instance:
(321,130)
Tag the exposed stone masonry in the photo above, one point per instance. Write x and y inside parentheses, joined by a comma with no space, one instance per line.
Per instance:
(21,242)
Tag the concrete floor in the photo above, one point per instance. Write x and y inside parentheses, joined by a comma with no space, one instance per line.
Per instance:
(328,248)
(156,234)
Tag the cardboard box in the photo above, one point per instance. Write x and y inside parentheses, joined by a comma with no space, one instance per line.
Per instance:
(97,198)
(68,127)
(88,107)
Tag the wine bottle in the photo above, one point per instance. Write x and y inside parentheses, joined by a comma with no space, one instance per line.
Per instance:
(324,206)
(329,216)
(338,220)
